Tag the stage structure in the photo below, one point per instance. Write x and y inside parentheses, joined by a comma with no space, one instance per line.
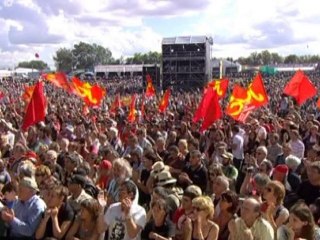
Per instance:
(186,62)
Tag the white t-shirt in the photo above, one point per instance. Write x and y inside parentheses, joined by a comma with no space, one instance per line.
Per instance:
(115,220)
(261,133)
(238,152)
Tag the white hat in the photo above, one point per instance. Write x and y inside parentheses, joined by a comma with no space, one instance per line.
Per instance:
(158,167)
(164,178)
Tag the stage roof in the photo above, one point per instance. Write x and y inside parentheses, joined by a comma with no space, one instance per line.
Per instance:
(186,40)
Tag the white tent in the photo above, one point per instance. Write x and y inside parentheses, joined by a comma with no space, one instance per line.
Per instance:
(5,73)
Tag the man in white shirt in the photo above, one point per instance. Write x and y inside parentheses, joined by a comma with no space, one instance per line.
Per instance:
(125,219)
(260,131)
(237,147)
(296,144)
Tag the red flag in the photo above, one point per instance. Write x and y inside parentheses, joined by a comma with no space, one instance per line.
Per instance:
(132,111)
(238,103)
(116,104)
(1,95)
(165,101)
(213,111)
(202,108)
(150,91)
(96,96)
(244,101)
(36,110)
(220,86)
(257,92)
(92,95)
(300,87)
(58,79)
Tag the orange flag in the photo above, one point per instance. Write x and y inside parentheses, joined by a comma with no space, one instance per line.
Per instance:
(212,109)
(36,110)
(132,110)
(28,91)
(300,87)
(92,95)
(116,104)
(220,86)
(244,101)
(150,91)
(165,101)
(58,79)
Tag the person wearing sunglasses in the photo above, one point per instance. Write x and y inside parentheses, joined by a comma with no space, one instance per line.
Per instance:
(199,225)
(159,226)
(273,209)
(228,208)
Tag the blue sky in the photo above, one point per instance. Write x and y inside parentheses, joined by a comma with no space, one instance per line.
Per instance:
(238,27)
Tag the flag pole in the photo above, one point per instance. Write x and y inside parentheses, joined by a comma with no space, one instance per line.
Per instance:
(221,68)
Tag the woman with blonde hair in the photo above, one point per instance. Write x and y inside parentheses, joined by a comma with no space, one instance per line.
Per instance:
(200,226)
(273,210)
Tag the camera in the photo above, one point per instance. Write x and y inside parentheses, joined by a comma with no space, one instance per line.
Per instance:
(249,169)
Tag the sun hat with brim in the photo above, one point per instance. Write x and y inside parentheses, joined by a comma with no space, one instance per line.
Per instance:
(158,167)
(222,144)
(165,178)
(227,155)
(29,183)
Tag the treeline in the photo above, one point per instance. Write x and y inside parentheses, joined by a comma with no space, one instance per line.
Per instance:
(267,58)
(84,56)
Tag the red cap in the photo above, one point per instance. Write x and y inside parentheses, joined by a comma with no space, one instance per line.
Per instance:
(31,155)
(282,168)
(105,164)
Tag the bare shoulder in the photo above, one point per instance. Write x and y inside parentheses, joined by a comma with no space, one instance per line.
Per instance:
(213,227)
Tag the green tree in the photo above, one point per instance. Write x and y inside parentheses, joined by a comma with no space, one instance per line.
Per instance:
(82,56)
(265,57)
(36,64)
(102,55)
(254,59)
(276,58)
(291,59)
(64,60)
(145,58)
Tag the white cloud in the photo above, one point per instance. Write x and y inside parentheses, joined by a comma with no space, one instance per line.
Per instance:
(238,27)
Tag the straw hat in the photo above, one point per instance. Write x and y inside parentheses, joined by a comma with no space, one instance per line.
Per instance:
(158,167)
(165,178)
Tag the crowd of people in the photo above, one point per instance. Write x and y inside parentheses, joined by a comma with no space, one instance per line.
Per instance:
(93,175)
